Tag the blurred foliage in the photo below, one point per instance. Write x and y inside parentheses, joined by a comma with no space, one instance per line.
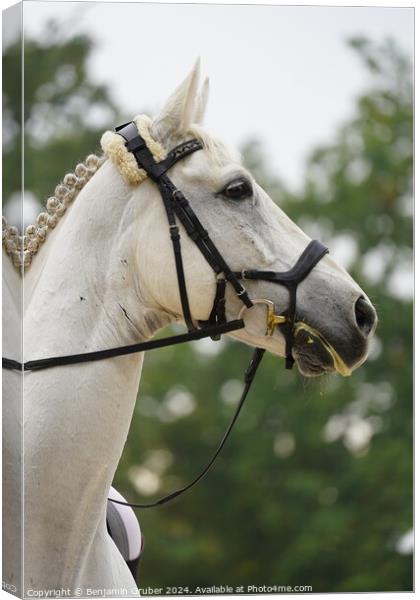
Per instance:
(315,486)
(64,112)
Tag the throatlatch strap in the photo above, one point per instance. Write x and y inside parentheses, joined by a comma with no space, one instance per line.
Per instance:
(182,286)
(248,379)
(218,312)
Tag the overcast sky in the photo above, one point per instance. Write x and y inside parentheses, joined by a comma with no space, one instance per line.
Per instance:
(283,74)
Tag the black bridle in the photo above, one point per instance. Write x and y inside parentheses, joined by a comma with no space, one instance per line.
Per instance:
(178,207)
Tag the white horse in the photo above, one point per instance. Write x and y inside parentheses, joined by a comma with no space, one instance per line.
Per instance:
(105,278)
(12,387)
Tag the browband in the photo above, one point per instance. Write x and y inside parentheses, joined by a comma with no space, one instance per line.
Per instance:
(137,145)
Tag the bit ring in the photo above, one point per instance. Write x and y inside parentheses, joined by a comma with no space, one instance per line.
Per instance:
(272,318)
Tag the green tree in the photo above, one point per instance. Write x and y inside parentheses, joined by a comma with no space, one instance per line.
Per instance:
(64,111)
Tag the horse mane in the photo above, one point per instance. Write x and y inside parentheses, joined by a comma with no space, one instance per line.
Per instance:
(22,247)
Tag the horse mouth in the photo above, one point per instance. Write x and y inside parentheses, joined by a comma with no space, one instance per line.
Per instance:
(310,365)
(314,355)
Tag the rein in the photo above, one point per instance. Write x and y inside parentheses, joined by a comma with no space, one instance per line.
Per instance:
(178,207)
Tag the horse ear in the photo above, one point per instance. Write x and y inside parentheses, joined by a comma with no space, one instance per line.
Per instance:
(201,105)
(179,110)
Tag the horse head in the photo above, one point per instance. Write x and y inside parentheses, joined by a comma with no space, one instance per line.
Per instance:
(333,321)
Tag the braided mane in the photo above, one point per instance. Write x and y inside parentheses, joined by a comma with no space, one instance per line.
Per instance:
(22,248)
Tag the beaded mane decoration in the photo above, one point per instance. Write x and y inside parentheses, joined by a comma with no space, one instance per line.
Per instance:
(22,248)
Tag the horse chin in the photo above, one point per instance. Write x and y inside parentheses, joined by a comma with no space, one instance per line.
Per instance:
(312,357)
(310,365)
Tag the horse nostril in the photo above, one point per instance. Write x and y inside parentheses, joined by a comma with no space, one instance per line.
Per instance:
(365,315)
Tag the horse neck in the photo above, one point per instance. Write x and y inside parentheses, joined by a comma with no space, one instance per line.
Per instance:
(86,295)
(87,274)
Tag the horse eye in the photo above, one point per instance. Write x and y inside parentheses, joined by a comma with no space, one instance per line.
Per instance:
(238,189)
